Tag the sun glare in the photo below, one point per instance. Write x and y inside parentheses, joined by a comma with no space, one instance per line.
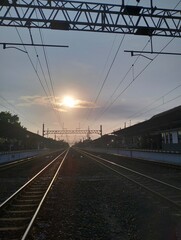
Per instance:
(69,102)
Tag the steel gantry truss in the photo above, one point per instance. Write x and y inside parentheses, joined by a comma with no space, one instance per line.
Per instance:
(94,17)
(76,131)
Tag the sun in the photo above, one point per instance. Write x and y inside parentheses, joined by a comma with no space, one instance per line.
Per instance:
(69,102)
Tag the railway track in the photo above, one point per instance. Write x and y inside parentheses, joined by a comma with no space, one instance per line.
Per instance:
(19,211)
(164,190)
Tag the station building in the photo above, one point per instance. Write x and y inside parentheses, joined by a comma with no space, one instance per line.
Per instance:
(161,132)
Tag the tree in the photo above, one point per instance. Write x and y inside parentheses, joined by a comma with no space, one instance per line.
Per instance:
(9,118)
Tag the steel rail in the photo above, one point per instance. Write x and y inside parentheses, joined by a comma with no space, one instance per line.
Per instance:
(94,157)
(32,193)
(26,184)
(42,200)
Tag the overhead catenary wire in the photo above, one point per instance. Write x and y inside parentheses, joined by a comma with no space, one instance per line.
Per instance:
(166,102)
(142,111)
(88,113)
(134,78)
(52,95)
(124,90)
(16,111)
(177,4)
(43,73)
(46,59)
(49,73)
(156,107)
(129,70)
(109,70)
(36,72)
(158,99)
(34,68)
(112,63)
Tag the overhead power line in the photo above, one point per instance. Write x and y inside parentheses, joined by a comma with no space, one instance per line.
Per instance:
(109,70)
(49,73)
(112,63)
(142,111)
(122,80)
(48,95)
(156,107)
(16,111)
(134,78)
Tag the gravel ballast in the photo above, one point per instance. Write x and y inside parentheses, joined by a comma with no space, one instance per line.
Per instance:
(88,201)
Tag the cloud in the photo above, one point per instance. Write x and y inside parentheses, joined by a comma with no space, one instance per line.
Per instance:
(123,111)
(57,103)
(26,101)
(85,104)
(78,104)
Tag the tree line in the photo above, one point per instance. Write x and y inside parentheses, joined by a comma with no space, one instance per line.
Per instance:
(13,136)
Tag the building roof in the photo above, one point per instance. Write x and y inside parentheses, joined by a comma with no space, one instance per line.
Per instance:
(170,119)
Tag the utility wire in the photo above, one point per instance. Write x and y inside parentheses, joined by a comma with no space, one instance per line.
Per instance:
(39,79)
(101,115)
(158,99)
(41,67)
(134,78)
(109,70)
(177,4)
(129,70)
(166,94)
(141,112)
(51,82)
(105,64)
(49,74)
(17,111)
(37,55)
(99,93)
(166,102)
(112,63)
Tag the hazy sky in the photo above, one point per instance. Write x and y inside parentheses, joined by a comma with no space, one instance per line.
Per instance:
(79,72)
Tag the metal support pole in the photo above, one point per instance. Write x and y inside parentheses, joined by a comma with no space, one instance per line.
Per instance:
(101,130)
(151,42)
(151,4)
(43,130)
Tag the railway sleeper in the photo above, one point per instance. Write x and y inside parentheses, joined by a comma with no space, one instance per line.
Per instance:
(21,211)
(31,196)
(22,206)
(27,200)
(12,228)
(13,222)
(35,192)
(9,219)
